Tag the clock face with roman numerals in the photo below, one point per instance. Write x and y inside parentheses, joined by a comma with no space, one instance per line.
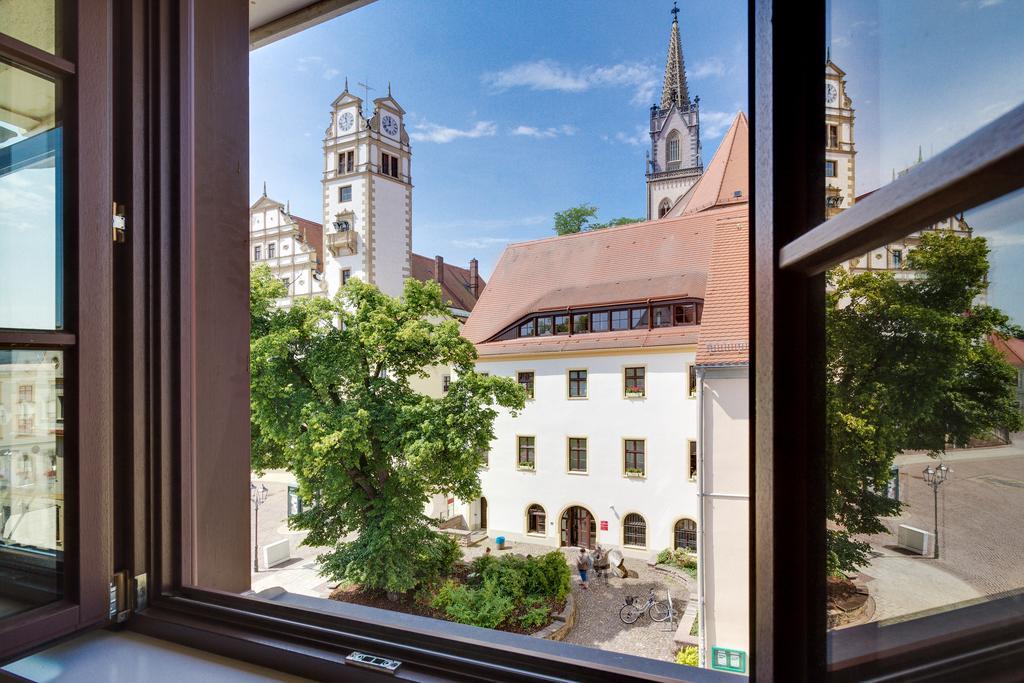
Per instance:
(390,124)
(346,121)
(831,94)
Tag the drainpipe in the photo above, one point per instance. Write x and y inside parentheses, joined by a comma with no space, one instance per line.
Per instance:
(701,643)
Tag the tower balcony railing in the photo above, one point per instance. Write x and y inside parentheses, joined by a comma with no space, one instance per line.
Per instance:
(675,173)
(340,243)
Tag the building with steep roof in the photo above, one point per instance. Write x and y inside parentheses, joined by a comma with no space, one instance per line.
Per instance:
(674,159)
(604,331)
(1012,351)
(291,246)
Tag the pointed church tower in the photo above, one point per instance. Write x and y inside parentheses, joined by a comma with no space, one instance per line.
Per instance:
(674,163)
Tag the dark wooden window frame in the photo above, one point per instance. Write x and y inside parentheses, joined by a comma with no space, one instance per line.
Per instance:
(526,379)
(578,379)
(634,527)
(634,455)
(635,376)
(526,451)
(577,454)
(87,334)
(536,519)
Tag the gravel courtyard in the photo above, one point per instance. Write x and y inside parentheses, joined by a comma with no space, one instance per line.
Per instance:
(597,617)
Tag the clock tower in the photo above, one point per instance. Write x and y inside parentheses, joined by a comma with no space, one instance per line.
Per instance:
(840,186)
(367,194)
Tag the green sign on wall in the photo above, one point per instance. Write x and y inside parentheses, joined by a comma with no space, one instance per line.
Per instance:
(725,659)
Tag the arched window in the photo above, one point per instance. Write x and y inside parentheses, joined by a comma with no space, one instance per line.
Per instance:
(673,147)
(663,208)
(634,530)
(685,536)
(535,518)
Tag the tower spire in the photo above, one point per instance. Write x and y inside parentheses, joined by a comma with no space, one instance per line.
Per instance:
(674,90)
(264,188)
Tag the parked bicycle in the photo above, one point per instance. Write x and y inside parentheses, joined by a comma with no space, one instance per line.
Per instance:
(657,610)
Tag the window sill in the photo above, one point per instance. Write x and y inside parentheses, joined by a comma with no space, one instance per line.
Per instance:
(526,469)
(578,472)
(310,637)
(576,398)
(637,397)
(629,475)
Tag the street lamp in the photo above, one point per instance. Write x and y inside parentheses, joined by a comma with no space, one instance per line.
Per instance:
(258,496)
(934,476)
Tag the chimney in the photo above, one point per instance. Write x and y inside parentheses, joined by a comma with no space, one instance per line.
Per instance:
(439,269)
(474,278)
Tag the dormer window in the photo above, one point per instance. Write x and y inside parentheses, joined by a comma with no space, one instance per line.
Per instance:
(596,320)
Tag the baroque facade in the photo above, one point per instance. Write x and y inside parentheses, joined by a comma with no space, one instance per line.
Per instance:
(674,159)
(840,153)
(292,247)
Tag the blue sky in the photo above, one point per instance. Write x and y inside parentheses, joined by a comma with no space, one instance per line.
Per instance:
(516,109)
(928,73)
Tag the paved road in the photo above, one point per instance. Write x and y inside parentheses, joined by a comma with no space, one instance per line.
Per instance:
(981,533)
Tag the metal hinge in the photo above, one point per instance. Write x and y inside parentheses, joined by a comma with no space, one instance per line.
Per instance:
(127,595)
(119,223)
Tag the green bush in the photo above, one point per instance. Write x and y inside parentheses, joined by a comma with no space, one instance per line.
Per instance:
(688,656)
(680,559)
(496,588)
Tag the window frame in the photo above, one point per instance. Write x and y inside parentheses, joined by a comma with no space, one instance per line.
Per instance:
(642,379)
(626,452)
(531,514)
(570,451)
(531,449)
(580,382)
(341,194)
(625,525)
(531,387)
(84,64)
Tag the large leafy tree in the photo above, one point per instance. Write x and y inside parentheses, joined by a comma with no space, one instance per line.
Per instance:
(332,403)
(909,367)
(582,218)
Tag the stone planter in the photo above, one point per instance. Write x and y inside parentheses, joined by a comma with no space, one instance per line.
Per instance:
(562,622)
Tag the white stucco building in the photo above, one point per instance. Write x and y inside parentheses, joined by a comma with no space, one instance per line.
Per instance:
(840,152)
(674,159)
(292,247)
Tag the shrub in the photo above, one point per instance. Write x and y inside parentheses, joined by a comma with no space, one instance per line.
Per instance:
(688,656)
(497,588)
(680,559)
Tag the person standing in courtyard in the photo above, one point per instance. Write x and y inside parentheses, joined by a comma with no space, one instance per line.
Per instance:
(584,563)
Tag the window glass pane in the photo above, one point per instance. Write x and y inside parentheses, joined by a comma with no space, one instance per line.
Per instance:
(31,478)
(638,318)
(909,79)
(543,327)
(620,320)
(925,418)
(561,324)
(580,323)
(599,321)
(35,22)
(31,249)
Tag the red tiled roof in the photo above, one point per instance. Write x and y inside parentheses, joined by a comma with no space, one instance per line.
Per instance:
(665,258)
(725,325)
(312,233)
(455,289)
(1012,350)
(632,339)
(724,177)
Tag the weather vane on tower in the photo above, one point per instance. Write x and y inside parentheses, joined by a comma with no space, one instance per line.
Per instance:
(675,12)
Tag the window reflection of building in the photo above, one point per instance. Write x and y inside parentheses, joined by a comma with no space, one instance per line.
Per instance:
(31,449)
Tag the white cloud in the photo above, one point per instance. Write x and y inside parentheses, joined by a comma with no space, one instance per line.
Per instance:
(547,74)
(313,63)
(709,67)
(433,132)
(714,123)
(551,132)
(640,137)
(481,242)
(982,4)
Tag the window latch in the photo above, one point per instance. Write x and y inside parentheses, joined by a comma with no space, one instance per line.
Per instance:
(119,223)
(379,664)
(127,595)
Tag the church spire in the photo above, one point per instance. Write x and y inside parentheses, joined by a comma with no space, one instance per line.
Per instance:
(674,90)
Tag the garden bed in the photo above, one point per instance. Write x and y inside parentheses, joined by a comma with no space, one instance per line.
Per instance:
(514,593)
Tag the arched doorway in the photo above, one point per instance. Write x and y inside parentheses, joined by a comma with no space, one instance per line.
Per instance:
(483,513)
(578,527)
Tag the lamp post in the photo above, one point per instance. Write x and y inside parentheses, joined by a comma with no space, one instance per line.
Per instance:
(934,476)
(258,496)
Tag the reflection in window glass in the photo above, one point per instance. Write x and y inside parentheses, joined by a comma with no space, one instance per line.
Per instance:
(925,424)
(30,202)
(31,478)
(599,321)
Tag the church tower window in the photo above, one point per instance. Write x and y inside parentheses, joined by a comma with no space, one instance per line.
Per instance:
(345,193)
(663,208)
(673,147)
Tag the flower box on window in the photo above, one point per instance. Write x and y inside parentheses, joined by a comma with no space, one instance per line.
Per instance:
(634,473)
(526,466)
(634,392)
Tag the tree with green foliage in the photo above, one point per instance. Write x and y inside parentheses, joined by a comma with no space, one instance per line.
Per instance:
(909,367)
(582,219)
(332,403)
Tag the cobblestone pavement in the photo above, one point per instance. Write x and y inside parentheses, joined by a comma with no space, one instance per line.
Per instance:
(981,533)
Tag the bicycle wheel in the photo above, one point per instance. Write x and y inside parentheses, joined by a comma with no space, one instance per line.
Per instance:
(660,611)
(629,613)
